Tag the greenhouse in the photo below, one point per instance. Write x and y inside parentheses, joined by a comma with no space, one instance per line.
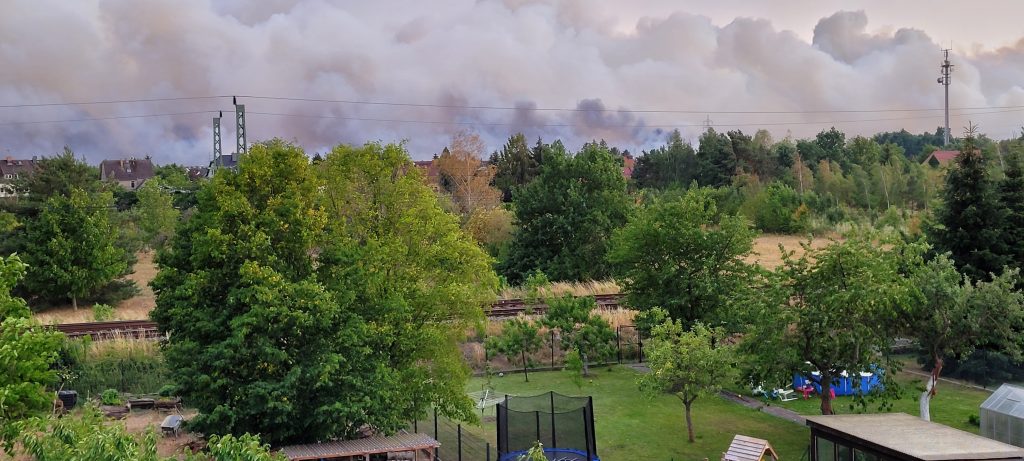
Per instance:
(1002,415)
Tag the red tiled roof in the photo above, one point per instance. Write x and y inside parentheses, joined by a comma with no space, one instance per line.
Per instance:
(944,157)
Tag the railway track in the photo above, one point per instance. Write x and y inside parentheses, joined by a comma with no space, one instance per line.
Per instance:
(145,329)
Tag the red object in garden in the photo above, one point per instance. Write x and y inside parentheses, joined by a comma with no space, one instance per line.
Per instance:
(807,390)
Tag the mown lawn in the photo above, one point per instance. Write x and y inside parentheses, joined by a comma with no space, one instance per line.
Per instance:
(952,406)
(630,425)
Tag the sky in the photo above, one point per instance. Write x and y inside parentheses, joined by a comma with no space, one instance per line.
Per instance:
(323,72)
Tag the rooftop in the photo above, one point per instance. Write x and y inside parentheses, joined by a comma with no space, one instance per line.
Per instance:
(915,437)
(397,443)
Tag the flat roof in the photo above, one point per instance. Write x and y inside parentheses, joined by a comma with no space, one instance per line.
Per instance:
(916,437)
(360,447)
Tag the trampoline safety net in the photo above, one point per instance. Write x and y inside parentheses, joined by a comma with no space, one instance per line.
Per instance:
(560,422)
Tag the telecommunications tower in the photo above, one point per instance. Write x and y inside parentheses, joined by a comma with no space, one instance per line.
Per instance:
(944,80)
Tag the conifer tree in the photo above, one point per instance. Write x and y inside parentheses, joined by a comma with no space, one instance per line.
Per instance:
(1011,195)
(970,222)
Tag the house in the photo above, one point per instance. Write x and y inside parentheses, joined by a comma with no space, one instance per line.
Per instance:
(130,173)
(745,448)
(229,161)
(941,158)
(628,162)
(899,437)
(12,169)
(196,173)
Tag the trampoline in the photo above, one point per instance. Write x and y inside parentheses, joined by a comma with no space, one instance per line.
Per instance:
(553,454)
(563,424)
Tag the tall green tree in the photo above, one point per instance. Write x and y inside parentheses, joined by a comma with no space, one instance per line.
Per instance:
(413,277)
(155,213)
(566,215)
(950,316)
(970,221)
(688,364)
(580,328)
(679,253)
(672,165)
(832,310)
(27,354)
(515,165)
(59,175)
(716,158)
(1011,197)
(71,247)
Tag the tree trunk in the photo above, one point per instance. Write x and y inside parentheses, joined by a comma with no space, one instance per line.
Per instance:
(689,422)
(74,302)
(826,394)
(525,372)
(930,390)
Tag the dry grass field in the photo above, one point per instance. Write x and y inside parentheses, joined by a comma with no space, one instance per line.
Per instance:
(766,248)
(136,308)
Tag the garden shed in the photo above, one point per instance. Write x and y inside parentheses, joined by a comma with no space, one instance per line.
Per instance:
(1002,415)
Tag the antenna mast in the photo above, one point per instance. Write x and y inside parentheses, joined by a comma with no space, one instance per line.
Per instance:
(944,80)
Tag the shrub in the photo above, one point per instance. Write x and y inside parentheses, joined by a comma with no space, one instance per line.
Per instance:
(168,390)
(111,397)
(974,420)
(128,365)
(781,210)
(102,312)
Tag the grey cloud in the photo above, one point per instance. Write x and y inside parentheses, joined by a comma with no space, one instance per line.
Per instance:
(528,54)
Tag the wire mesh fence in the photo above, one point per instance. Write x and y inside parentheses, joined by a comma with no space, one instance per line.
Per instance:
(626,347)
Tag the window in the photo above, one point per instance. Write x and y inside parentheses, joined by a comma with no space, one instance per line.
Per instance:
(8,176)
(843,453)
(133,184)
(825,450)
(859,455)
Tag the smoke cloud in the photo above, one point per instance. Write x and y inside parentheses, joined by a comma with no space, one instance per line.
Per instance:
(496,67)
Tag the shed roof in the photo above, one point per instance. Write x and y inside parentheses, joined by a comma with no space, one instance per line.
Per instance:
(1008,400)
(360,447)
(943,157)
(915,437)
(745,448)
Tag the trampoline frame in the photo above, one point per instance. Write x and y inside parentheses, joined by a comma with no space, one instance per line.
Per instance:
(582,455)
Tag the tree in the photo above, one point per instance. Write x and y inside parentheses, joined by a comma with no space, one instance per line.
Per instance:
(173,176)
(329,296)
(833,144)
(1011,197)
(716,158)
(27,354)
(836,309)
(688,364)
(950,317)
(679,253)
(672,165)
(71,247)
(59,175)
(466,177)
(414,278)
(515,165)
(970,221)
(565,217)
(579,327)
(519,337)
(155,213)
(780,210)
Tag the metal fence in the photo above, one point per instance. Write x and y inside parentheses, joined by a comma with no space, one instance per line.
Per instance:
(628,347)
(458,443)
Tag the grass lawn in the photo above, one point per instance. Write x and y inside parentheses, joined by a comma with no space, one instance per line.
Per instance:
(951,406)
(630,425)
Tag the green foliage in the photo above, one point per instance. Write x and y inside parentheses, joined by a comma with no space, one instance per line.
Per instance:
(102,312)
(59,176)
(1011,197)
(574,365)
(515,165)
(688,364)
(580,328)
(836,308)
(519,338)
(155,213)
(335,298)
(168,390)
(566,215)
(970,221)
(111,397)
(127,365)
(716,159)
(86,436)
(536,453)
(247,447)
(27,353)
(71,249)
(647,319)
(680,254)
(672,165)
(780,210)
(536,282)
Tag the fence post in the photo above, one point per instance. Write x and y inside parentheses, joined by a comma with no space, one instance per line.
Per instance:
(459,427)
(488,447)
(552,349)
(437,450)
(640,346)
(618,344)
(554,444)
(537,416)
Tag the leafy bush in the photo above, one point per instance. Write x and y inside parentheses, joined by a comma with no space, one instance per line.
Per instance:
(781,210)
(102,312)
(169,390)
(111,397)
(574,365)
(974,420)
(117,291)
(128,365)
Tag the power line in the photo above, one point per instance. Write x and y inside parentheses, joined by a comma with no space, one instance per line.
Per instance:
(505,108)
(117,117)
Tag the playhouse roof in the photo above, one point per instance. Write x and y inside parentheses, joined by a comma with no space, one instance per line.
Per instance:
(745,448)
